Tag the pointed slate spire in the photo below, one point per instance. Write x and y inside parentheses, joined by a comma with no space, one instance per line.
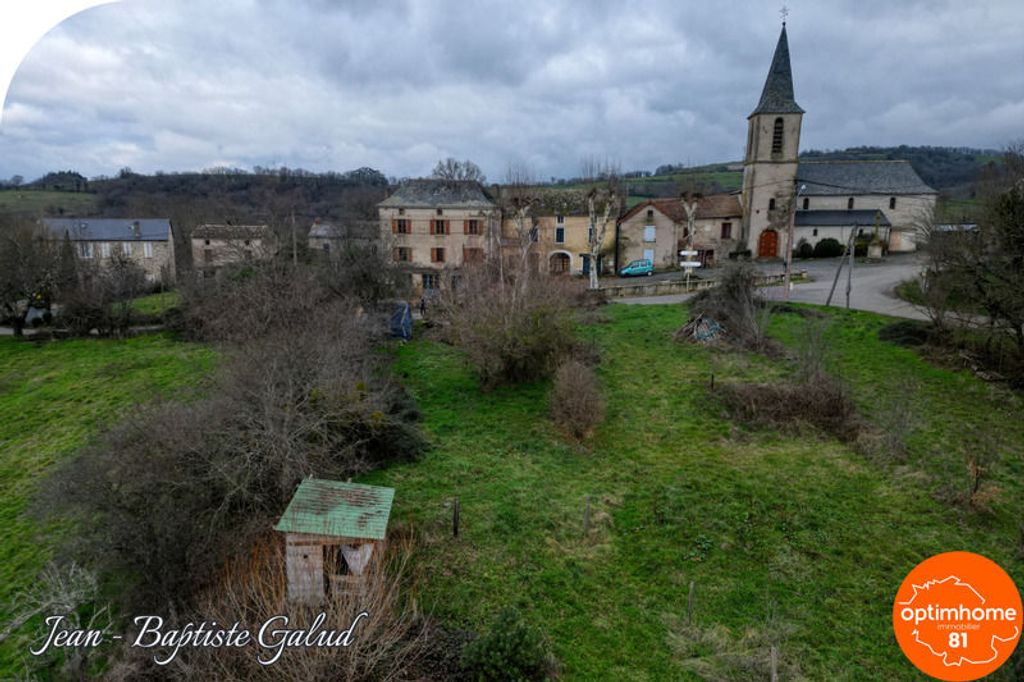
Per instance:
(777,96)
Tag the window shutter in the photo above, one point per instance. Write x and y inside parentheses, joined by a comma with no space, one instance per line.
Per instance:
(446,227)
(433,255)
(394,225)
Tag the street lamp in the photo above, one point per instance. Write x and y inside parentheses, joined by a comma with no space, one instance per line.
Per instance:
(789,242)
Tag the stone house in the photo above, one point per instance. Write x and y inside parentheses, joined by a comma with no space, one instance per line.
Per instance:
(433,227)
(215,246)
(561,219)
(657,229)
(148,242)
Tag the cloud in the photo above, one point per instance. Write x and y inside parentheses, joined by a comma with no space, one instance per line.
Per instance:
(333,86)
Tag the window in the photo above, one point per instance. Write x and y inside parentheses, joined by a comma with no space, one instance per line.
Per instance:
(560,220)
(206,242)
(401,211)
(429,281)
(892,202)
(437,254)
(815,232)
(126,247)
(147,249)
(650,233)
(85,249)
(849,204)
(402,226)
(650,214)
(472,227)
(403,254)
(440,212)
(559,235)
(439,227)
(807,203)
(105,250)
(726,230)
(771,204)
(248,242)
(327,247)
(777,136)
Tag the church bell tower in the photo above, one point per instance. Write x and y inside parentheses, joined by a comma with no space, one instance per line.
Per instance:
(770,166)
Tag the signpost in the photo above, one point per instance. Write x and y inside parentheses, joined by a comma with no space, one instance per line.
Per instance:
(688,264)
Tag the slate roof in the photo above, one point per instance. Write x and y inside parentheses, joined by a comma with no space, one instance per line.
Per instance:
(860,177)
(338,509)
(431,193)
(840,218)
(777,95)
(110,229)
(713,206)
(324,230)
(211,231)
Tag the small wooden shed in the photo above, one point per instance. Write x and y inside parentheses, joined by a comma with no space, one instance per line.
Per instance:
(333,531)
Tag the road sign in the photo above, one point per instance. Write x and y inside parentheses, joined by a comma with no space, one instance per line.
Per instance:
(689,264)
(687,253)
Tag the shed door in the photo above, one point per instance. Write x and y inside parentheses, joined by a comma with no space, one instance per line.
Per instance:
(305,569)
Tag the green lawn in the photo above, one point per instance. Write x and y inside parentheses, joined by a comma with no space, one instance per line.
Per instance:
(53,397)
(801,533)
(796,537)
(156,304)
(46,202)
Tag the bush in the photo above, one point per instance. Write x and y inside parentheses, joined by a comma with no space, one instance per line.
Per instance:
(804,250)
(577,405)
(735,305)
(179,487)
(824,404)
(513,330)
(511,650)
(828,248)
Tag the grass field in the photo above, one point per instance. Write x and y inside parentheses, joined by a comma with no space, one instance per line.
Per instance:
(799,538)
(37,203)
(795,539)
(53,398)
(156,304)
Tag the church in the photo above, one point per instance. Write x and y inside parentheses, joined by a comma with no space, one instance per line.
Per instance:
(823,198)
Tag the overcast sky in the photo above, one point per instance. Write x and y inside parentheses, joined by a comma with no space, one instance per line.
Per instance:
(335,85)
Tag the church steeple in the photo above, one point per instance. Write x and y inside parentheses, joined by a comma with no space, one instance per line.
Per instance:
(777,96)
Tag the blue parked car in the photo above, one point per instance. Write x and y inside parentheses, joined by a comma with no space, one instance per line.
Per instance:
(637,268)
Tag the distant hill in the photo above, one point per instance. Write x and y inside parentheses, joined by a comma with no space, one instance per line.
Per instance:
(944,168)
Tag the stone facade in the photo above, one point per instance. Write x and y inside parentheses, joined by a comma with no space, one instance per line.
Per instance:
(217,246)
(434,227)
(658,229)
(148,242)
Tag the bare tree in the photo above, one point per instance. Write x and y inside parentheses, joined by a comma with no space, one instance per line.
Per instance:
(603,203)
(28,270)
(453,169)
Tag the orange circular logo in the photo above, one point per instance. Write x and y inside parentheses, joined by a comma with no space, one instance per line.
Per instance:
(957,616)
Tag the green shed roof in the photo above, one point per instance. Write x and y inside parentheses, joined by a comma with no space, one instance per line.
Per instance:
(350,510)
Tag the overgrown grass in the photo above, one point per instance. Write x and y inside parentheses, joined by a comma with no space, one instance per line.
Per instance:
(798,539)
(46,202)
(53,397)
(800,532)
(156,304)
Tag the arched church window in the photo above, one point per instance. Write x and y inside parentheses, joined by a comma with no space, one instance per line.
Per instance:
(807,203)
(892,202)
(849,204)
(777,137)
(771,204)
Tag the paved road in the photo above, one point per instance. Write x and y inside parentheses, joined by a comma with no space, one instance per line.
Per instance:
(872,290)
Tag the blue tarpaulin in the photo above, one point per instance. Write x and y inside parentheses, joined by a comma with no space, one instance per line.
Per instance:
(401,321)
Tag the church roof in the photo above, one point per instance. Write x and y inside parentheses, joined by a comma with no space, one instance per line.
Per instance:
(839,218)
(859,177)
(777,96)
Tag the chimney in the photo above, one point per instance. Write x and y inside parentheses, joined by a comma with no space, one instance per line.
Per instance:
(136,229)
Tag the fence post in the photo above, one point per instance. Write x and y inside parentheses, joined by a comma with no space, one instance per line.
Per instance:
(455,518)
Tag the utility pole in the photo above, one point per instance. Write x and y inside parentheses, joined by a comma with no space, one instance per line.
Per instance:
(295,246)
(789,242)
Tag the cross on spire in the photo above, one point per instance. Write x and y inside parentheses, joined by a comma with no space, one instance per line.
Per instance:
(784,12)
